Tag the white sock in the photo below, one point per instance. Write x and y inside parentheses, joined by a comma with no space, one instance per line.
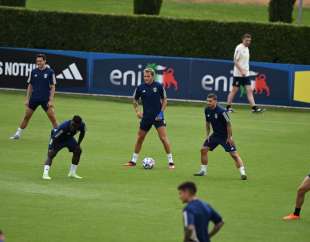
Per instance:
(170,159)
(19,131)
(46,169)
(134,157)
(242,170)
(204,168)
(73,168)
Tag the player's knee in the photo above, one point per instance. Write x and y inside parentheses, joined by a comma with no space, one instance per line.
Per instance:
(141,138)
(164,139)
(234,155)
(301,191)
(204,151)
(77,151)
(51,154)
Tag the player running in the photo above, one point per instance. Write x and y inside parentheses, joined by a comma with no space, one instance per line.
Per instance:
(40,92)
(217,117)
(154,101)
(300,198)
(241,74)
(63,137)
(197,215)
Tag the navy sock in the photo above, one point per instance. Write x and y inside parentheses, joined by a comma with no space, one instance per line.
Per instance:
(297,211)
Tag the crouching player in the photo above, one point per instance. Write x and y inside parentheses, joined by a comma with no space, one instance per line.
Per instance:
(63,137)
(217,117)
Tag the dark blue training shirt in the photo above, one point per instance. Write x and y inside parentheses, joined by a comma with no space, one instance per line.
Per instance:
(63,132)
(200,214)
(218,118)
(151,96)
(41,81)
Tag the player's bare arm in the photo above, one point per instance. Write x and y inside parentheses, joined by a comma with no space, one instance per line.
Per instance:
(136,108)
(208,129)
(164,102)
(51,97)
(190,234)
(229,133)
(237,64)
(28,94)
(217,227)
(81,137)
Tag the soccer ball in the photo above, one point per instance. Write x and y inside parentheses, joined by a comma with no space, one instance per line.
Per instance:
(148,163)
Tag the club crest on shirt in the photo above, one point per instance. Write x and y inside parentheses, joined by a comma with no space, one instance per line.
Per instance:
(45,75)
(215,115)
(155,89)
(143,91)
(35,75)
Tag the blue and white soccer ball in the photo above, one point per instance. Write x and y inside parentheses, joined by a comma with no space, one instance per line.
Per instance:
(148,163)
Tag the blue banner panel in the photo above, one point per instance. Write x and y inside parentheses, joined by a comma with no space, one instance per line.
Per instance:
(122,75)
(271,85)
(16,65)
(183,78)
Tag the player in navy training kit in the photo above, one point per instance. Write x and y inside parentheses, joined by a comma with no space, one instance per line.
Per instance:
(222,135)
(154,101)
(63,137)
(40,92)
(197,215)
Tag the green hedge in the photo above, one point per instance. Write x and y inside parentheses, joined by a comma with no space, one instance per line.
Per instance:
(19,3)
(151,35)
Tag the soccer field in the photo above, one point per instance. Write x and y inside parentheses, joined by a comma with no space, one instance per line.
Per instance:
(113,203)
(170,8)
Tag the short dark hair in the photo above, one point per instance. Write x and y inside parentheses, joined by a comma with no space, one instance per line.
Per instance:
(43,56)
(246,36)
(77,119)
(1,232)
(213,96)
(188,186)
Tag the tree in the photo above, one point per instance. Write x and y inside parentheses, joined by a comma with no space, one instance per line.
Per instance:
(281,10)
(151,7)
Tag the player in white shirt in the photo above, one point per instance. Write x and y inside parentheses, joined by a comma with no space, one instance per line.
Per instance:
(242,73)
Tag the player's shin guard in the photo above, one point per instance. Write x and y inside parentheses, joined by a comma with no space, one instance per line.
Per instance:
(75,161)
(76,156)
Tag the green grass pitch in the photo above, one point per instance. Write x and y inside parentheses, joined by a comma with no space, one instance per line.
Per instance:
(113,203)
(170,8)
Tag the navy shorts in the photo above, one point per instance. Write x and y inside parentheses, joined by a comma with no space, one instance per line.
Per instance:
(71,144)
(146,124)
(241,81)
(33,104)
(214,141)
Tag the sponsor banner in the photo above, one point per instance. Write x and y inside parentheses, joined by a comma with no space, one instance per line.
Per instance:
(301,86)
(16,65)
(189,79)
(183,78)
(122,76)
(270,85)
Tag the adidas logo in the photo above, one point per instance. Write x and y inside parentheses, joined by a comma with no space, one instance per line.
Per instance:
(70,73)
